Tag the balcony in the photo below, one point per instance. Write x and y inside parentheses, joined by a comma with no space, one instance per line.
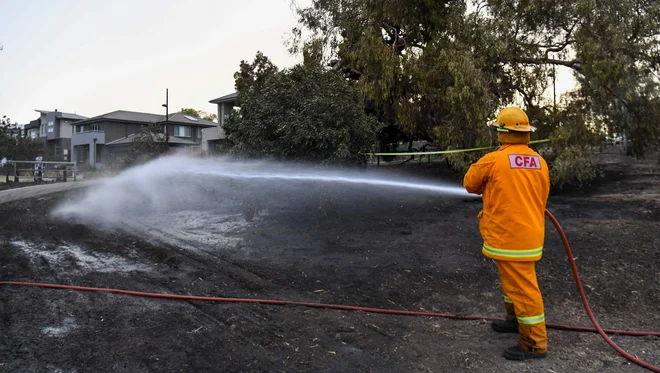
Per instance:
(89,131)
(87,137)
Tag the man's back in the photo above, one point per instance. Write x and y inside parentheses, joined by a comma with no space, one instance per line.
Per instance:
(515,186)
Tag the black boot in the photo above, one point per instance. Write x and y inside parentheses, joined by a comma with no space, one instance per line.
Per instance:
(505,326)
(518,353)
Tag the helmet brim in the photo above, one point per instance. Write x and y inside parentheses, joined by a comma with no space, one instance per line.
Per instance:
(502,129)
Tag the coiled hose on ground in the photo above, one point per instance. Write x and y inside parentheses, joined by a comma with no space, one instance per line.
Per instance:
(597,328)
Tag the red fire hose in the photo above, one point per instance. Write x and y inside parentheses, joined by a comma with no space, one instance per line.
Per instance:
(597,328)
(585,302)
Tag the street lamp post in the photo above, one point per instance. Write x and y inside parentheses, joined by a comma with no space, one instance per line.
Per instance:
(166,105)
(554,88)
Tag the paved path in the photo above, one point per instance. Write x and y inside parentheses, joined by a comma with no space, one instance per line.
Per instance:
(39,190)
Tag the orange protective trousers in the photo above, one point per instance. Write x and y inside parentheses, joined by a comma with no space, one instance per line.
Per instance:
(523,302)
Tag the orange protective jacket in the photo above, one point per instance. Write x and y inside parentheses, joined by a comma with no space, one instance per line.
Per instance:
(515,183)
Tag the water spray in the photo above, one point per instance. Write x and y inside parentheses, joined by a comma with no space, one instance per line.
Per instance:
(166,183)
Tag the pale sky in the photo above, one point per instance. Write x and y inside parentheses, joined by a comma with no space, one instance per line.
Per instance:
(92,57)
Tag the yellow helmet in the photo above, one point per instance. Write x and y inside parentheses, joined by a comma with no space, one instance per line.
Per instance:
(512,119)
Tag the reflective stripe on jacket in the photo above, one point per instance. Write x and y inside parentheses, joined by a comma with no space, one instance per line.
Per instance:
(515,183)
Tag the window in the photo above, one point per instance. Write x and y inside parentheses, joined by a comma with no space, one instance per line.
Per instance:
(199,133)
(33,134)
(182,131)
(88,128)
(50,129)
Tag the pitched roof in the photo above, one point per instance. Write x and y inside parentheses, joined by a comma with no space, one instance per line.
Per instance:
(226,98)
(72,116)
(122,140)
(33,124)
(130,138)
(188,120)
(124,116)
(61,114)
(146,118)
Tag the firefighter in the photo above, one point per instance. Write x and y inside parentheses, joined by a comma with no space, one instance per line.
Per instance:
(514,183)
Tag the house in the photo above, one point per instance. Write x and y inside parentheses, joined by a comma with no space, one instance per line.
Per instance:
(213,139)
(105,138)
(52,132)
(32,129)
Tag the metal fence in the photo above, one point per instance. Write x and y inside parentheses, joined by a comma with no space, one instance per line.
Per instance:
(16,171)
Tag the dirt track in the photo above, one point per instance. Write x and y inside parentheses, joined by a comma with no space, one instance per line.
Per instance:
(375,248)
(31,191)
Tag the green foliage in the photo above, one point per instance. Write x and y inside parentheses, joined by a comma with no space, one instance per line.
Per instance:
(575,141)
(575,165)
(147,144)
(150,141)
(199,114)
(14,145)
(439,69)
(408,64)
(302,113)
(251,78)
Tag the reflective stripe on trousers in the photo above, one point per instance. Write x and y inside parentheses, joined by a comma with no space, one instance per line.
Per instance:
(513,254)
(531,320)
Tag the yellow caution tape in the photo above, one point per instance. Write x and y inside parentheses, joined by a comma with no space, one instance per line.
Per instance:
(449,151)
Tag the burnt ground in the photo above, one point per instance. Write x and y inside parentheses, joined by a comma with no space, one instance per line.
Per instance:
(378,248)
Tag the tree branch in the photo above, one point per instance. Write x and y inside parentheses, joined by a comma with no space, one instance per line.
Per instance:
(528,100)
(559,47)
(575,64)
(622,99)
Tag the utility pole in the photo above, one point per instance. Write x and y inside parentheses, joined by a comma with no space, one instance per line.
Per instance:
(554,88)
(166,105)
